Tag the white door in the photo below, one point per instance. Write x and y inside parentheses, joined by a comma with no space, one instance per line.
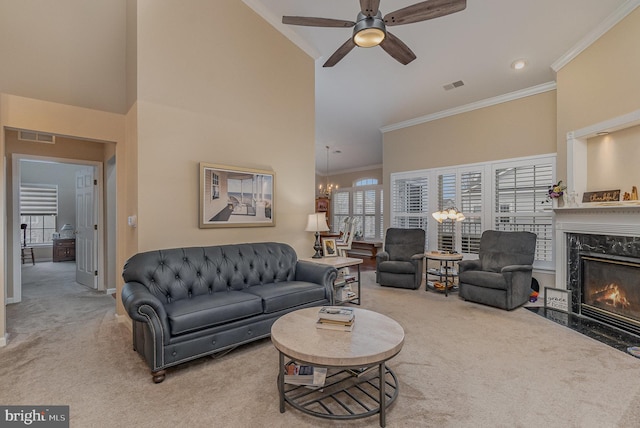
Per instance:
(86,233)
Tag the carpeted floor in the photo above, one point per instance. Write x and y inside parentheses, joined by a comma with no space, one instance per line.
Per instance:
(462,365)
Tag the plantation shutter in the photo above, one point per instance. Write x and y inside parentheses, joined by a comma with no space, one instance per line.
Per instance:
(446,199)
(471,199)
(38,199)
(410,202)
(519,204)
(340,208)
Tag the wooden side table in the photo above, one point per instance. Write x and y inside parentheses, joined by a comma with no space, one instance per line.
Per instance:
(446,272)
(64,250)
(341,263)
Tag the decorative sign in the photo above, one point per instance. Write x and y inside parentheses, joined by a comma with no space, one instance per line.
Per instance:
(601,196)
(555,298)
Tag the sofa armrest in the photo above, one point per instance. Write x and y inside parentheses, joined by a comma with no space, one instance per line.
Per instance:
(418,256)
(318,274)
(464,265)
(144,307)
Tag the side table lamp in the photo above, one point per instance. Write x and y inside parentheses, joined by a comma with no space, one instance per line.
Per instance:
(449,214)
(317,223)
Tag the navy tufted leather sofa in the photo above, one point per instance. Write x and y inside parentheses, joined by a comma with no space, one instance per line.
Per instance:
(186,303)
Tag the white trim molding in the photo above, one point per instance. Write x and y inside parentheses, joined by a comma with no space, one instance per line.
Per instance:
(511,96)
(606,25)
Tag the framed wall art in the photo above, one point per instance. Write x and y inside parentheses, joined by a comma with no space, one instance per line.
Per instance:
(236,197)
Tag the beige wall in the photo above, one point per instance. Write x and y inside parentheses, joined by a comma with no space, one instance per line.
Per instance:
(522,127)
(612,161)
(65,51)
(234,93)
(601,83)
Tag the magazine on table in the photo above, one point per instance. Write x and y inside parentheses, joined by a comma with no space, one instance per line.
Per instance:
(297,374)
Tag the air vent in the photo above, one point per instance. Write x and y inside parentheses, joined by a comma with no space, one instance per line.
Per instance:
(36,137)
(453,85)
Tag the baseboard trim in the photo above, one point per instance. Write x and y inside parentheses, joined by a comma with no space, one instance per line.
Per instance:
(111,291)
(4,340)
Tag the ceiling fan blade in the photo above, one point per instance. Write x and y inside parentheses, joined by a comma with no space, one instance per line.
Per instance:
(369,7)
(316,22)
(397,49)
(425,10)
(340,53)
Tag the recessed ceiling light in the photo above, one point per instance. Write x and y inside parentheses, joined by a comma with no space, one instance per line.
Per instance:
(519,64)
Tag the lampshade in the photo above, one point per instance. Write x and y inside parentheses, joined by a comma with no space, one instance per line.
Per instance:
(317,223)
(449,213)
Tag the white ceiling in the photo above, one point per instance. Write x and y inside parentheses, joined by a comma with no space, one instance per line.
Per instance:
(368,89)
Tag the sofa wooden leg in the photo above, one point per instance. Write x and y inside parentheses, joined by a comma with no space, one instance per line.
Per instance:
(158,376)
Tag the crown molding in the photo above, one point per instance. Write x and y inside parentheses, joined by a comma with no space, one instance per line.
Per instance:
(276,22)
(606,25)
(534,90)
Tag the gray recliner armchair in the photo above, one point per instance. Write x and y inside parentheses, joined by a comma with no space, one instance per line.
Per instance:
(501,277)
(401,262)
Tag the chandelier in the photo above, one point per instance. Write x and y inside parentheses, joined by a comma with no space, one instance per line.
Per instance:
(325,191)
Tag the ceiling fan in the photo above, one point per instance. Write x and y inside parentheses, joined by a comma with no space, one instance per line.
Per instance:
(370,27)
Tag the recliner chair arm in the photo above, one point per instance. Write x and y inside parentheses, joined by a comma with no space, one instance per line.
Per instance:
(382,256)
(517,268)
(418,256)
(143,306)
(465,265)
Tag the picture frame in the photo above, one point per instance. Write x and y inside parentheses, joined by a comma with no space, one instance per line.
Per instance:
(329,247)
(322,205)
(556,298)
(232,196)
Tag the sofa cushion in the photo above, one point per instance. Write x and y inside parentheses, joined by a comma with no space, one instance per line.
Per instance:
(284,295)
(207,310)
(484,279)
(397,267)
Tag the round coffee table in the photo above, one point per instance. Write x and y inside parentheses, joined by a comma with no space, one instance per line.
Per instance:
(351,390)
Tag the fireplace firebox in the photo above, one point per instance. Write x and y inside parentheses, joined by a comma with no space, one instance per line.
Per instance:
(610,289)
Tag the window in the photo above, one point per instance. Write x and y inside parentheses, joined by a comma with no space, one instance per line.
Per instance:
(39,210)
(511,201)
(364,203)
(410,201)
(366,182)
(520,191)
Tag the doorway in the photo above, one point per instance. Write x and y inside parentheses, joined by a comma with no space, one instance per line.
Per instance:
(79,208)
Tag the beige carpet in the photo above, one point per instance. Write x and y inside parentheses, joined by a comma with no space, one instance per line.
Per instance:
(463,365)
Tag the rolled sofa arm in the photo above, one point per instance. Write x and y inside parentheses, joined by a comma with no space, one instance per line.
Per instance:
(144,307)
(318,274)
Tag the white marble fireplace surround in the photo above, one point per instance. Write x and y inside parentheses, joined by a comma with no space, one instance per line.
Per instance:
(607,218)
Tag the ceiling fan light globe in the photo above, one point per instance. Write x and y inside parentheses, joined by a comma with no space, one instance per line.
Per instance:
(369,37)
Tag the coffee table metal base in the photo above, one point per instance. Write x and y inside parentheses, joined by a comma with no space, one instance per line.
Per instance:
(344,395)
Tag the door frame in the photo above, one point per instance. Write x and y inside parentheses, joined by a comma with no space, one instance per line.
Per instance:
(15,226)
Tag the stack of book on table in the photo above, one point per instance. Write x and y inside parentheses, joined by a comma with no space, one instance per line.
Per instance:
(296,374)
(336,318)
(342,285)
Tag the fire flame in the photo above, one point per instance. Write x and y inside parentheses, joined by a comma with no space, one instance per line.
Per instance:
(611,295)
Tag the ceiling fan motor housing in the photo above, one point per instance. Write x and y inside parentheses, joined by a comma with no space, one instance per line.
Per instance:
(369,31)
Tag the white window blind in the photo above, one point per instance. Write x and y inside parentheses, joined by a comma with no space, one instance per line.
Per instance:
(519,195)
(38,199)
(446,199)
(340,208)
(410,202)
(471,200)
